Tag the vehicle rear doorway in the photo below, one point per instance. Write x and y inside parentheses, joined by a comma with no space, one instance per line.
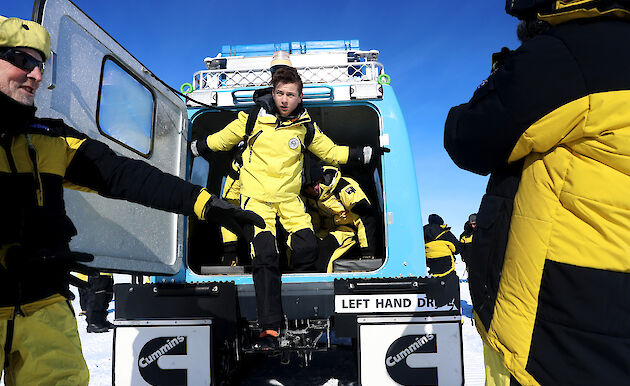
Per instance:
(354,125)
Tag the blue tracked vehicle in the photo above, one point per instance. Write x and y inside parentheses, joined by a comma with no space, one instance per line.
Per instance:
(195,321)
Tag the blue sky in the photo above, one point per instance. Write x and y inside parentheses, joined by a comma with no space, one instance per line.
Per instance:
(436,52)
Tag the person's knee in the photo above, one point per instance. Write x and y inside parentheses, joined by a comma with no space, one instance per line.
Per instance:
(304,241)
(265,252)
(304,246)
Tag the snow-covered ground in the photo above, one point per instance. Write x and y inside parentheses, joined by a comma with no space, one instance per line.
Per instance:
(98,354)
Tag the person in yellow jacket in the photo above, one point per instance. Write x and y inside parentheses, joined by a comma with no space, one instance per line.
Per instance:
(550,270)
(465,240)
(271,179)
(232,194)
(440,247)
(341,214)
(232,186)
(94,300)
(39,341)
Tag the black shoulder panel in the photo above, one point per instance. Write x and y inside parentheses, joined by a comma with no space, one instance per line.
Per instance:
(310,133)
(599,48)
(252,115)
(545,73)
(362,208)
(340,185)
(53,128)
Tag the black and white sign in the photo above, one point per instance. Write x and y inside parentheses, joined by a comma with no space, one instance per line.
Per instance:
(162,355)
(347,304)
(410,353)
(152,351)
(407,347)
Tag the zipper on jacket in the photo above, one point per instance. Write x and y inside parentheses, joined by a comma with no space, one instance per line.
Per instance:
(32,153)
(8,342)
(251,145)
(18,311)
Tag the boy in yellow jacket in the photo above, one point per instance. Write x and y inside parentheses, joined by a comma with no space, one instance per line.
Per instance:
(341,213)
(271,179)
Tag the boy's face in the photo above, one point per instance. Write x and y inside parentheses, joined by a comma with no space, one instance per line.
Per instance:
(312,190)
(287,98)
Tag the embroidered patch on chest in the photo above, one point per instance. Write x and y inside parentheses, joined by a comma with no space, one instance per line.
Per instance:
(350,190)
(294,143)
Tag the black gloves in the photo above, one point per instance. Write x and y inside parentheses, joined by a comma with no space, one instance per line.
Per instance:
(20,259)
(363,155)
(199,148)
(232,217)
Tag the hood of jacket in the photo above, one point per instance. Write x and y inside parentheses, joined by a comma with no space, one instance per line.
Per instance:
(332,176)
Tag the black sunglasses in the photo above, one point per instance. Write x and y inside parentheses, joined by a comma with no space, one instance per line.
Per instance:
(22,60)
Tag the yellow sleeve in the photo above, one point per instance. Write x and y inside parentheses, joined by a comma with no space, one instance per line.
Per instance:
(324,148)
(72,145)
(203,197)
(229,136)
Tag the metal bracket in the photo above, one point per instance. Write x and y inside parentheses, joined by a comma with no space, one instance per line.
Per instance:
(366,91)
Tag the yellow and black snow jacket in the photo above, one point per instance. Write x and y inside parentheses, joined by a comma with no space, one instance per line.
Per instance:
(341,201)
(465,242)
(440,248)
(38,158)
(550,271)
(273,158)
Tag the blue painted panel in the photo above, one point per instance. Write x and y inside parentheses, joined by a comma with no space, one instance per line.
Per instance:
(290,47)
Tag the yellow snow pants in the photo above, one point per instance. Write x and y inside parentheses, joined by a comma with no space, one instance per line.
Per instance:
(292,214)
(496,372)
(346,240)
(45,348)
(232,194)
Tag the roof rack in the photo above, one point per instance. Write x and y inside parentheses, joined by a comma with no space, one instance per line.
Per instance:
(330,74)
(317,62)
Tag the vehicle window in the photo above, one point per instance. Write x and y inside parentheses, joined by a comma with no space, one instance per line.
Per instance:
(125,109)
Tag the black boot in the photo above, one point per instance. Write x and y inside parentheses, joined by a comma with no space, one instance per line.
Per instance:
(101,295)
(103,326)
(267,341)
(230,254)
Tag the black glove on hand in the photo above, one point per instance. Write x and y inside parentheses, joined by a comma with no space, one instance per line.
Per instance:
(22,259)
(365,154)
(199,148)
(232,217)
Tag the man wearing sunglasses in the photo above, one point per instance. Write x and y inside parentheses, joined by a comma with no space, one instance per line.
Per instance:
(23,68)
(39,342)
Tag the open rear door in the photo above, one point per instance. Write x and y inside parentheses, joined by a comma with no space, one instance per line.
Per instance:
(99,88)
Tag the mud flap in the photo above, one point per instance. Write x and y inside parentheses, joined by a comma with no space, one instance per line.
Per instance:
(408,329)
(173,352)
(410,351)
